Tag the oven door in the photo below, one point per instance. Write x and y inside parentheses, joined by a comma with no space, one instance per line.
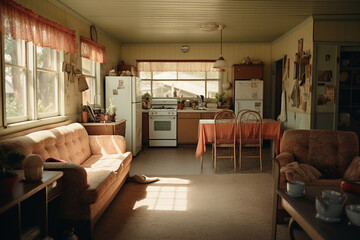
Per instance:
(162,127)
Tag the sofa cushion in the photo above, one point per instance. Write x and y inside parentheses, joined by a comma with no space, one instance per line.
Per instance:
(102,172)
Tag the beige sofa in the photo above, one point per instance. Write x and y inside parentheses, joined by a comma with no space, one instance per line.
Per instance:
(95,169)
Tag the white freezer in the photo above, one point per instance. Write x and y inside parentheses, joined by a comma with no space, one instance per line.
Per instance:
(256,105)
(249,95)
(249,89)
(126,94)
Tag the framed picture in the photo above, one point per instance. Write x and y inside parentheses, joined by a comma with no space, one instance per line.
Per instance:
(300,47)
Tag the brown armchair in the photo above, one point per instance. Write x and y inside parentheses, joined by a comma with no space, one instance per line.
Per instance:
(330,152)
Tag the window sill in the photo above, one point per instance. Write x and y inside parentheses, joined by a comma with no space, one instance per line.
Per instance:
(26,126)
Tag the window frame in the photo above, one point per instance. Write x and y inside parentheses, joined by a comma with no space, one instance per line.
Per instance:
(206,79)
(31,69)
(96,96)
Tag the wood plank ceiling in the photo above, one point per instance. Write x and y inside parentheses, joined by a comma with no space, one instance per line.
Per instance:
(174,21)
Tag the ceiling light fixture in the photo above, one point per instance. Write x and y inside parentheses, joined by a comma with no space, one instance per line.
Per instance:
(208,27)
(220,63)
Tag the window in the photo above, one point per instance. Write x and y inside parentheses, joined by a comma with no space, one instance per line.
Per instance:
(189,84)
(32,86)
(91,71)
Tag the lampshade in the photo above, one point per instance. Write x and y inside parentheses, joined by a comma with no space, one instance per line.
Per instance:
(220,63)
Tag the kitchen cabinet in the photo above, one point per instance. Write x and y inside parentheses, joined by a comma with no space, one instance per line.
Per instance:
(188,123)
(187,130)
(145,128)
(111,128)
(248,71)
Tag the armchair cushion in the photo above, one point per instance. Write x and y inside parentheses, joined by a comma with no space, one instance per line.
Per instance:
(300,172)
(352,173)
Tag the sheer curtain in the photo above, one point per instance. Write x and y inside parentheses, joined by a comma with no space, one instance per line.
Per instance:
(92,50)
(22,23)
(176,66)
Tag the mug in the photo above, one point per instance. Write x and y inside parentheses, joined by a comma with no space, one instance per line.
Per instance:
(295,188)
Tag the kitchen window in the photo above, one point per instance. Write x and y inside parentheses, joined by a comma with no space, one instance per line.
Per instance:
(32,81)
(182,78)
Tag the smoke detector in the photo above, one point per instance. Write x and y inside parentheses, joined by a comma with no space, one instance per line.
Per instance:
(209,27)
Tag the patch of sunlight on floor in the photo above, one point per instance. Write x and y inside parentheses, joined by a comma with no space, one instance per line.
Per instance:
(164,196)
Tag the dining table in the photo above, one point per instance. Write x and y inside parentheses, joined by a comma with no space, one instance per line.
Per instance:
(271,130)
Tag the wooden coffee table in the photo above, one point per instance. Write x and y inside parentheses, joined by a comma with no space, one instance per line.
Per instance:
(302,211)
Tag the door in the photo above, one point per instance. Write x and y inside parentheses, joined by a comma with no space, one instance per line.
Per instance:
(325,78)
(278,86)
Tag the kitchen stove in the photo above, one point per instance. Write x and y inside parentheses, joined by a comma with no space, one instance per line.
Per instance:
(163,122)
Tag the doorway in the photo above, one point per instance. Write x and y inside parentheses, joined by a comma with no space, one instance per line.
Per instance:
(277,73)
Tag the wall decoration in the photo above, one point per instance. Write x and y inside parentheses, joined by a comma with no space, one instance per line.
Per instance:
(300,47)
(327,58)
(324,76)
(330,93)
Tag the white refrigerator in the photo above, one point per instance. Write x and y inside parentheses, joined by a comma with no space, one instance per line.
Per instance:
(126,95)
(249,95)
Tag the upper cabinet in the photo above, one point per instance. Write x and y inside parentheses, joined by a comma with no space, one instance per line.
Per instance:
(248,71)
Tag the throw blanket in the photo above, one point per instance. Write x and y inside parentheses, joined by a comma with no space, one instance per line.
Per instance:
(300,172)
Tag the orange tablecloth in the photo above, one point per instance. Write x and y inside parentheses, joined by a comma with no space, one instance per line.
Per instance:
(271,130)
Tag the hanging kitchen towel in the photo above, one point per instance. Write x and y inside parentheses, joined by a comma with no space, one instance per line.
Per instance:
(295,94)
(282,116)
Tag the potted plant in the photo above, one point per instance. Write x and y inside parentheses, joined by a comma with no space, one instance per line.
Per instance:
(219,97)
(84,112)
(111,111)
(8,178)
(181,103)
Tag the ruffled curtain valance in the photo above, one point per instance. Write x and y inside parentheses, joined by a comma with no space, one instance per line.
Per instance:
(22,23)
(176,66)
(92,50)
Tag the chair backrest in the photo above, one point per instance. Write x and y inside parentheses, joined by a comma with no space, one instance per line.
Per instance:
(252,131)
(225,127)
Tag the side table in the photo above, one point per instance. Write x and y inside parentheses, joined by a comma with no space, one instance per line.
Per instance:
(24,213)
(112,128)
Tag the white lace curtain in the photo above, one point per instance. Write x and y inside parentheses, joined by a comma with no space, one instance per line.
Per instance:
(22,23)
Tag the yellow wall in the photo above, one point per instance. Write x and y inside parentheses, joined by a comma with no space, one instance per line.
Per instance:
(113,49)
(288,45)
(233,54)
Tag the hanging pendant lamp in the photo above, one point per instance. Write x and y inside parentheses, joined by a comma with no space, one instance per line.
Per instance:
(220,63)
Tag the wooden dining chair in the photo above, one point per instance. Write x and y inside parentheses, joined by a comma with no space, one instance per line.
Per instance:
(224,136)
(250,135)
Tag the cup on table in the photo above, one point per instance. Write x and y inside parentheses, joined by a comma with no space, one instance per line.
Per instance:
(331,195)
(295,188)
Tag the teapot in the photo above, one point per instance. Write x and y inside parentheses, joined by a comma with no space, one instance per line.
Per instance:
(330,204)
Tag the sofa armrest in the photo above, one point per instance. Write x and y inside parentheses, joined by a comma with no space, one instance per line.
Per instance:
(282,160)
(74,174)
(285,158)
(74,184)
(107,144)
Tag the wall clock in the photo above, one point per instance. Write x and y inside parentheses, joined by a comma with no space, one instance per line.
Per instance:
(93,33)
